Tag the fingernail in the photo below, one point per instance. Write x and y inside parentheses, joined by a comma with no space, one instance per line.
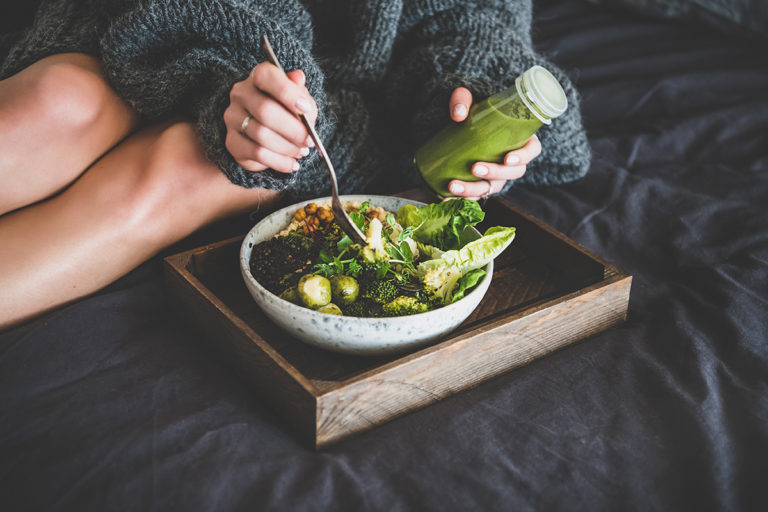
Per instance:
(480,170)
(296,166)
(309,142)
(456,188)
(460,110)
(304,152)
(303,105)
(513,159)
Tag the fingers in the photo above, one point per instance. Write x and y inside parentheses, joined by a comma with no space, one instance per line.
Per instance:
(459,103)
(259,147)
(294,97)
(263,135)
(253,157)
(297,76)
(489,171)
(475,189)
(274,137)
(268,112)
(495,175)
(525,154)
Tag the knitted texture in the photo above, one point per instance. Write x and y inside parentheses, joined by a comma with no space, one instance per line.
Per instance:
(381,72)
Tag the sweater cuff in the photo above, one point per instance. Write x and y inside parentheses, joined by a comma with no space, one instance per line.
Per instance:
(181,58)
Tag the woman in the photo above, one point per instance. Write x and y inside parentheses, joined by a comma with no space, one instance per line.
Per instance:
(125,125)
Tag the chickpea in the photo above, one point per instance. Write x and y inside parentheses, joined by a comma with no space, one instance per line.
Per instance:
(325,215)
(299,215)
(311,208)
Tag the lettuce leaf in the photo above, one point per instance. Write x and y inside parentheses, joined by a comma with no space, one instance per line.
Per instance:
(466,283)
(476,253)
(441,224)
(439,274)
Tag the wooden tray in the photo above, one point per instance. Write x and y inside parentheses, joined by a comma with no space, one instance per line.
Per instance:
(547,292)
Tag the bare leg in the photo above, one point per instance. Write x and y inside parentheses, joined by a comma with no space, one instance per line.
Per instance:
(56,118)
(153,189)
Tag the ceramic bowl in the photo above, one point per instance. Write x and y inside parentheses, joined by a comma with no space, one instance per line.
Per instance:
(346,334)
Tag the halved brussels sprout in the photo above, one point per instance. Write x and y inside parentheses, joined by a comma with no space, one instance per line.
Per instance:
(314,290)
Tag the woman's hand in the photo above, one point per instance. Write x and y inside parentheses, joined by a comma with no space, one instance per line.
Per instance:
(494,174)
(273,137)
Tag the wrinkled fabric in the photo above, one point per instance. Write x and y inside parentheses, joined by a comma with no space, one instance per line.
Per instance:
(742,18)
(112,403)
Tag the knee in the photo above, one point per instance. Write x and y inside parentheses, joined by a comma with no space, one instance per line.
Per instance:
(175,164)
(170,188)
(70,92)
(169,180)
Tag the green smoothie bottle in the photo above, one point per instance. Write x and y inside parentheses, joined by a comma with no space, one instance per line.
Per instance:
(494,126)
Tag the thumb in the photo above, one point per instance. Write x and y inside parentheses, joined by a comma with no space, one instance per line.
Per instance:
(459,104)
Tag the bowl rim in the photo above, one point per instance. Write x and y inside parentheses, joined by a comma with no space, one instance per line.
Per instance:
(245,268)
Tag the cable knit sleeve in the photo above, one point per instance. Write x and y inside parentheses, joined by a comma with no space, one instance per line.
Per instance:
(483,46)
(181,58)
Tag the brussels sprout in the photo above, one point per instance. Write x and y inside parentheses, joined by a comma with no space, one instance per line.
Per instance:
(314,290)
(344,289)
(292,295)
(330,309)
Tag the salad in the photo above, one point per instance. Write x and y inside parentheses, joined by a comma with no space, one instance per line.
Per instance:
(414,260)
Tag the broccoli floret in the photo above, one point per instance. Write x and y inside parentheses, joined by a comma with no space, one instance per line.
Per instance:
(429,300)
(380,291)
(403,305)
(374,250)
(362,308)
(440,282)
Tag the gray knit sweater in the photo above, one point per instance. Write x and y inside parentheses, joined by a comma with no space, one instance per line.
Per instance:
(381,72)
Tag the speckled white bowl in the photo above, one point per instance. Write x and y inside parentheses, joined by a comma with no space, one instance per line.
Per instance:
(353,335)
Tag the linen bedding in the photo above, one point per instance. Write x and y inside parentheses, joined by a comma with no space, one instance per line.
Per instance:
(109,404)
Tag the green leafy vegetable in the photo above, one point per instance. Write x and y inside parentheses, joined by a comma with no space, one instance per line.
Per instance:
(476,253)
(441,224)
(466,283)
(410,264)
(358,217)
(441,275)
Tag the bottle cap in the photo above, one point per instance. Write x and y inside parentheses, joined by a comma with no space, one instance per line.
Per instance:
(544,91)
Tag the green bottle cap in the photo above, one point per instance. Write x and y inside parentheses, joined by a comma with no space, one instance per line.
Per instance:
(544,91)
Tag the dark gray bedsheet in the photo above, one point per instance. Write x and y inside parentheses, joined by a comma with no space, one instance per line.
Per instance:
(107,405)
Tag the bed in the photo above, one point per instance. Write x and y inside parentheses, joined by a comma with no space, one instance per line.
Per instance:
(111,404)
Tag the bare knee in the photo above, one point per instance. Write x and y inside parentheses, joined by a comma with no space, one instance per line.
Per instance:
(191,190)
(68,90)
(175,165)
(169,177)
(167,188)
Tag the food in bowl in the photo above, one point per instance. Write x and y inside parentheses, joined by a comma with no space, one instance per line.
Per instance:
(415,260)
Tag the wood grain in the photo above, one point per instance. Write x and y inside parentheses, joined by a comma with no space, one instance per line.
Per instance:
(546,292)
(468,360)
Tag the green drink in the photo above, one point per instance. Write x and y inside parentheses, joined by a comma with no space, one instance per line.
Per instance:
(495,126)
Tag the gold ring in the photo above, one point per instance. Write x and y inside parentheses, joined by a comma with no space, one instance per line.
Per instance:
(244,125)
